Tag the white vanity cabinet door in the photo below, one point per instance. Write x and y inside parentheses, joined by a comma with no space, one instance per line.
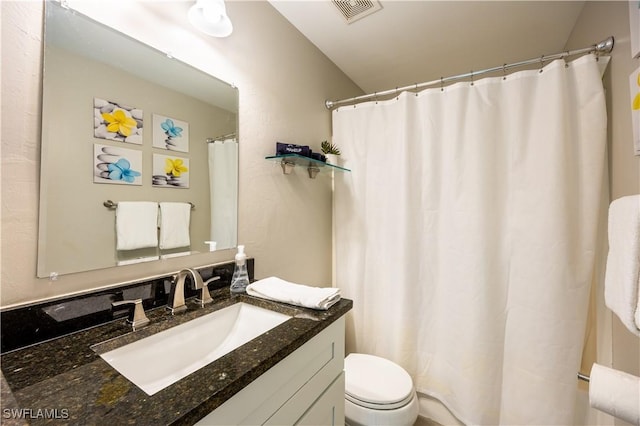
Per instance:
(293,388)
(328,410)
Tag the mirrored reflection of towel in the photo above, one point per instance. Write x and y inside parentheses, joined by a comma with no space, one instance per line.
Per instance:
(136,225)
(174,225)
(279,290)
(622,278)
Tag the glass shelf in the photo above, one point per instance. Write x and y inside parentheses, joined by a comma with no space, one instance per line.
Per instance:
(289,161)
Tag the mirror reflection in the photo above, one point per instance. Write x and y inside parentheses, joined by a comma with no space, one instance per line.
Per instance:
(124,127)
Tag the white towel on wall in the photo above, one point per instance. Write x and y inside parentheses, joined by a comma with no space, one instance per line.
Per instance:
(622,278)
(136,225)
(174,225)
(279,290)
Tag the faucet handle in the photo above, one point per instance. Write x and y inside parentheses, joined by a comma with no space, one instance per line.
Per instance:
(205,296)
(137,318)
(176,302)
(210,280)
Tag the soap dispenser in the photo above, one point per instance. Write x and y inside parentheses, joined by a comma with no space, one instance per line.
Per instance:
(240,279)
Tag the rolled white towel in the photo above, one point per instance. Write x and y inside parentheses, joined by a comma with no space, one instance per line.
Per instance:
(615,392)
(279,290)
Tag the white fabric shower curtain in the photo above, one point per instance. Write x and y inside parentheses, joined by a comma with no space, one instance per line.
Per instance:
(465,235)
(223,184)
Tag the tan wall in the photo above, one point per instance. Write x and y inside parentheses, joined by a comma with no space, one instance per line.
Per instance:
(283,80)
(80,230)
(598,21)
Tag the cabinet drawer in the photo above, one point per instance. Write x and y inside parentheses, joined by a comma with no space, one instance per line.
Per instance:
(293,384)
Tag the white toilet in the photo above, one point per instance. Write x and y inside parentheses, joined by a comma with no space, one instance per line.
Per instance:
(378,392)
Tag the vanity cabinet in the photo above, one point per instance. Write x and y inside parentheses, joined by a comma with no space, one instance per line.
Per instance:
(305,388)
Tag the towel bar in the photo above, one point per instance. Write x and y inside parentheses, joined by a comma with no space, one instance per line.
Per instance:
(111,205)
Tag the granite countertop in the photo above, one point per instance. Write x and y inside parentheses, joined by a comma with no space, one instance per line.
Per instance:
(67,376)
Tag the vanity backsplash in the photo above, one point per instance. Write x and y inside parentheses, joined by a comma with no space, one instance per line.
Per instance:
(27,325)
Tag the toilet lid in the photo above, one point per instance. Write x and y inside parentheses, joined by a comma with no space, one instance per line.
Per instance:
(373,380)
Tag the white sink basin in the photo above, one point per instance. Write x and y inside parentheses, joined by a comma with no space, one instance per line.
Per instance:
(157,361)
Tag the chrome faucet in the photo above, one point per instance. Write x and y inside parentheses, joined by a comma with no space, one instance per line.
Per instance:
(176,301)
(137,318)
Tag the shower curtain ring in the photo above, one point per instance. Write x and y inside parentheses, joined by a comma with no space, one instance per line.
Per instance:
(441,84)
(416,90)
(397,94)
(472,77)
(504,71)
(541,63)
(375,96)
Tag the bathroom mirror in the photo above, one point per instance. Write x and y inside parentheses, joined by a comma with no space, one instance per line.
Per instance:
(122,121)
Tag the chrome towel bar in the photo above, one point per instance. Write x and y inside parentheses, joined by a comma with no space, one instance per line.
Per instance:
(111,205)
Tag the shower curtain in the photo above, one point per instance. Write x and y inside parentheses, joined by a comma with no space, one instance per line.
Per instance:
(223,185)
(465,235)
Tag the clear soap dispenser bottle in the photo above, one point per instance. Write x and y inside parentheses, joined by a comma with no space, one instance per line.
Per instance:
(240,279)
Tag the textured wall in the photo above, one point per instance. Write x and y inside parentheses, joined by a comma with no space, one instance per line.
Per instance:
(616,345)
(284,221)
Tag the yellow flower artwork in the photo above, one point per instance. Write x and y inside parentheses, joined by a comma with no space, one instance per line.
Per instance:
(117,122)
(170,171)
(175,166)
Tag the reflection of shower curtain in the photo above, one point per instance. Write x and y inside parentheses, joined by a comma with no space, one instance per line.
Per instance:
(465,235)
(223,183)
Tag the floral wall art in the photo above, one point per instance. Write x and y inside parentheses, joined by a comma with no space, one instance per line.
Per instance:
(634,82)
(117,122)
(117,165)
(170,171)
(170,133)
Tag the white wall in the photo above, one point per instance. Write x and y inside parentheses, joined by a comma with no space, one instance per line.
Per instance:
(616,346)
(284,221)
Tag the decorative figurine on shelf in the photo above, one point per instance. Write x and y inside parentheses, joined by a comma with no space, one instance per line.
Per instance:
(330,151)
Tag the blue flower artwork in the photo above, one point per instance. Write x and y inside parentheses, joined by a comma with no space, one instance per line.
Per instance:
(121,170)
(170,129)
(116,165)
(170,133)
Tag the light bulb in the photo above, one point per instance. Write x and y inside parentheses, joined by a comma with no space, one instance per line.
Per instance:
(210,17)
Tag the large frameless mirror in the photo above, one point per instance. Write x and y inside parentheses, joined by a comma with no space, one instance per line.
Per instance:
(122,122)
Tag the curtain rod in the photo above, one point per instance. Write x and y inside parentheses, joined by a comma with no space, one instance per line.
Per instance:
(605,46)
(221,137)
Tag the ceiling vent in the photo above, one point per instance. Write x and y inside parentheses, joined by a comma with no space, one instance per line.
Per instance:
(352,10)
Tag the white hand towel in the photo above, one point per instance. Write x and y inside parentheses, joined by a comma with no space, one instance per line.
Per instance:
(136,225)
(615,392)
(622,278)
(279,290)
(174,225)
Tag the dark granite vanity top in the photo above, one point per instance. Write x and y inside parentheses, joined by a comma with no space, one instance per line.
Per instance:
(66,375)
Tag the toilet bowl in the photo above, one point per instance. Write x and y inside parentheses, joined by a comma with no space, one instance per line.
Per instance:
(378,392)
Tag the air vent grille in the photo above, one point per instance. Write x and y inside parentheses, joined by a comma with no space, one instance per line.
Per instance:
(352,10)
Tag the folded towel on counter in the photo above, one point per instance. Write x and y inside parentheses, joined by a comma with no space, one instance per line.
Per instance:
(136,225)
(279,290)
(622,277)
(174,225)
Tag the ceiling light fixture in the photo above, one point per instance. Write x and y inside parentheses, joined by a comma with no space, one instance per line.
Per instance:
(210,17)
